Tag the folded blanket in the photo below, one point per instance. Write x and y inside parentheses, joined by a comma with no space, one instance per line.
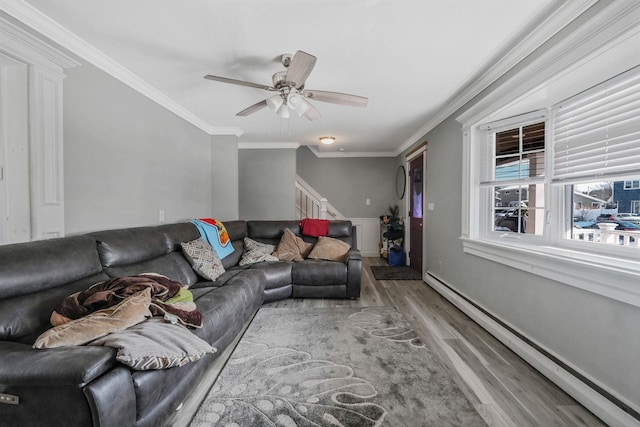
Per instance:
(314,227)
(214,232)
(111,292)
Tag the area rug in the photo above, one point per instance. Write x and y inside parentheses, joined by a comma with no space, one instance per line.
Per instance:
(333,367)
(384,272)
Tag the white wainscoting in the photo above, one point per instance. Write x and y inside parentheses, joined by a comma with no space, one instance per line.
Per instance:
(368,235)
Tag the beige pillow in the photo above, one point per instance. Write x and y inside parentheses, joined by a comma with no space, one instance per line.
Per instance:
(329,249)
(292,247)
(129,312)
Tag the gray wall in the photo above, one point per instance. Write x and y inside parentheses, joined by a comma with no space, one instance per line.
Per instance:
(593,333)
(267,183)
(126,157)
(224,177)
(348,181)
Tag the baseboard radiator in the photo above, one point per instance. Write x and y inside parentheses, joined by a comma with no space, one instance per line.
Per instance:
(600,402)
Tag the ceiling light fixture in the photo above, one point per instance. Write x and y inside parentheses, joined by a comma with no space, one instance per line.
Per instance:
(327,139)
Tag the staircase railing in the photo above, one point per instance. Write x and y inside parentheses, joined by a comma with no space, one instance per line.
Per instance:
(309,204)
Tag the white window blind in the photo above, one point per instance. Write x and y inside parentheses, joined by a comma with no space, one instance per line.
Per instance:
(597,132)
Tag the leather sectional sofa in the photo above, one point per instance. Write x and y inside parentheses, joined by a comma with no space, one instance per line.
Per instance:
(85,385)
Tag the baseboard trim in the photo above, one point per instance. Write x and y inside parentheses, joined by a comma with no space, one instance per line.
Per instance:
(604,405)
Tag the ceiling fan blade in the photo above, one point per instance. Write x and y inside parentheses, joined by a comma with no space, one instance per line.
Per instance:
(337,98)
(238,82)
(299,68)
(254,108)
(312,113)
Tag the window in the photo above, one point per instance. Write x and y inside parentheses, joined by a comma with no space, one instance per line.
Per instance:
(596,140)
(516,178)
(553,192)
(632,185)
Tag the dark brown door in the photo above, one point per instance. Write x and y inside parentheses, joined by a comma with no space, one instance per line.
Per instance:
(416,185)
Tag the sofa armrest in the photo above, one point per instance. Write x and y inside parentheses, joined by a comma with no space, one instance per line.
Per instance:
(354,273)
(20,364)
(353,255)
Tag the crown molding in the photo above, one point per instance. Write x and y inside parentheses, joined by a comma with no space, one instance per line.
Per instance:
(339,154)
(42,24)
(220,131)
(267,145)
(549,23)
(615,21)
(17,42)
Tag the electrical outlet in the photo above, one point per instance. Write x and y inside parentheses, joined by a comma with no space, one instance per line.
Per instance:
(161,215)
(440,266)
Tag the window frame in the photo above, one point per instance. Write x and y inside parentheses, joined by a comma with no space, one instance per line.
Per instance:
(610,271)
(485,209)
(606,276)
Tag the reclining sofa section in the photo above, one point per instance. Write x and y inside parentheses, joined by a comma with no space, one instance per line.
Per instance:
(85,385)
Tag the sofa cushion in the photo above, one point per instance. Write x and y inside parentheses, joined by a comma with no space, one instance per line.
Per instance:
(292,247)
(178,233)
(35,266)
(318,273)
(257,252)
(329,249)
(203,258)
(130,245)
(276,274)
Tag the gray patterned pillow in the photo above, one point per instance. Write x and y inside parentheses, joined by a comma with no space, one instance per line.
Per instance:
(203,258)
(257,252)
(155,344)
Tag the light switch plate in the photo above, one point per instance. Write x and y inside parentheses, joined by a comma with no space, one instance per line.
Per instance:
(431,206)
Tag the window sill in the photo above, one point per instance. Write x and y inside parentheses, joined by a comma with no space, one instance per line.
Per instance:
(614,278)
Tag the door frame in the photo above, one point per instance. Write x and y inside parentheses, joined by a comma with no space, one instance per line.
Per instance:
(416,152)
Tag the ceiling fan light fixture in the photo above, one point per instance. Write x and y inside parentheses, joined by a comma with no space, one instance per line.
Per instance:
(283,111)
(303,107)
(275,102)
(326,140)
(294,100)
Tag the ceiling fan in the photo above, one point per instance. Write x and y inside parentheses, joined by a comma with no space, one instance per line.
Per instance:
(292,95)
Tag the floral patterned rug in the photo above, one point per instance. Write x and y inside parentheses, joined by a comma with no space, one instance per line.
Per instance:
(333,367)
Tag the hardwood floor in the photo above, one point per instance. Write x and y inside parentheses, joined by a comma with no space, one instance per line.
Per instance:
(504,389)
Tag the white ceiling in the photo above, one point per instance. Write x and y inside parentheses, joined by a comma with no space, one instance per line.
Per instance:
(408,57)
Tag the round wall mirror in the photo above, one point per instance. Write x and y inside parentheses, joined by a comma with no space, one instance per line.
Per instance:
(401,182)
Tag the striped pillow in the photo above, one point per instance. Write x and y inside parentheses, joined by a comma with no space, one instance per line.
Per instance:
(156,344)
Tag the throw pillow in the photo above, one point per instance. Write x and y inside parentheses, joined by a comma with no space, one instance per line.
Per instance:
(129,312)
(156,344)
(203,259)
(329,249)
(257,252)
(292,247)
